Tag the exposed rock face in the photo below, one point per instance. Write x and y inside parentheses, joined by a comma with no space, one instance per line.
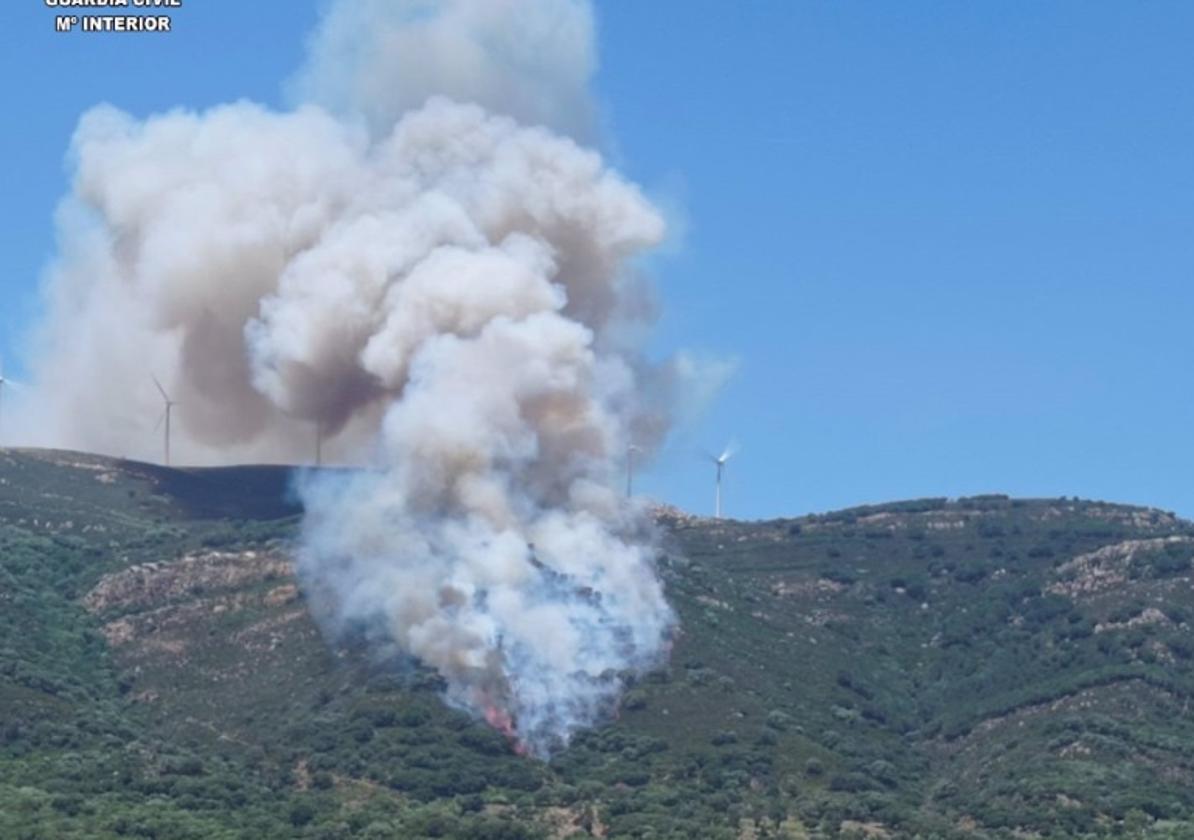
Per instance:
(158,609)
(1108,567)
(155,584)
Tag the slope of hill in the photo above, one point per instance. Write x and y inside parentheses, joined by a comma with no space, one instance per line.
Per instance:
(978,668)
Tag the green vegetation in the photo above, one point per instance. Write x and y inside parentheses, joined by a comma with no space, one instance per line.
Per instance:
(979,668)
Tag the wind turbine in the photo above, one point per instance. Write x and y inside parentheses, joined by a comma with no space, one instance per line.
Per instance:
(165,416)
(720,461)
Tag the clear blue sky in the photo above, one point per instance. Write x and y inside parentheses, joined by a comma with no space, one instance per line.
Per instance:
(949,244)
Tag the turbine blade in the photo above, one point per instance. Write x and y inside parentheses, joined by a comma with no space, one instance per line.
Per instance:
(4,380)
(161,420)
(161,390)
(729,452)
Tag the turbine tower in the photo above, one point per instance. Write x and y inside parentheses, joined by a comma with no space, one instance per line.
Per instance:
(720,461)
(630,450)
(165,415)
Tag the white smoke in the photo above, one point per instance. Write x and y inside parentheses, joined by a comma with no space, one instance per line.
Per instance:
(493,545)
(380,59)
(445,292)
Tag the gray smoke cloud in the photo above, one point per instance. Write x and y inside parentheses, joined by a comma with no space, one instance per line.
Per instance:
(422,264)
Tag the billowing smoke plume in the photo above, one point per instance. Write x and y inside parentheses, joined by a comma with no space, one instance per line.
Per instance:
(494,545)
(443,289)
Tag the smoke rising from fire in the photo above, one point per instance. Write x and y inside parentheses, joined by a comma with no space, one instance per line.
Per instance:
(379,59)
(444,290)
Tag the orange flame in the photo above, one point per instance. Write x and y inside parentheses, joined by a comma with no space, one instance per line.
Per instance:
(501,720)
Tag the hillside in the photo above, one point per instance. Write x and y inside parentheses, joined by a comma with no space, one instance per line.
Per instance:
(974,668)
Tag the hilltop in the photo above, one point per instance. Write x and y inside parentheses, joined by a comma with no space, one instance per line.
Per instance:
(973,668)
